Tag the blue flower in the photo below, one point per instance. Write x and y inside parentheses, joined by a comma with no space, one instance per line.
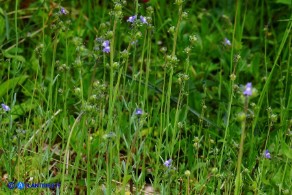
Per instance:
(106,46)
(226,42)
(267,154)
(248,90)
(143,20)
(132,19)
(106,49)
(63,11)
(5,107)
(168,163)
(106,43)
(139,111)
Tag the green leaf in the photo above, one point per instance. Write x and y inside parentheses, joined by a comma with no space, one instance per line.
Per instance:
(276,179)
(11,83)
(2,28)
(17,57)
(285,150)
(199,165)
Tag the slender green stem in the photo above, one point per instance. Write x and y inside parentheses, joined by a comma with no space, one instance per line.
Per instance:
(238,180)
(168,95)
(141,67)
(111,105)
(147,68)
(88,178)
(230,87)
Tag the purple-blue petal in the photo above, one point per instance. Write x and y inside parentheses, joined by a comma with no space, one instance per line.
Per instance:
(5,107)
(139,111)
(106,49)
(143,20)
(132,19)
(168,163)
(267,154)
(106,43)
(227,42)
(248,90)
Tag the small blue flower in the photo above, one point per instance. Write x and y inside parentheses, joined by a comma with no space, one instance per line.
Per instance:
(132,19)
(267,154)
(106,46)
(63,11)
(106,43)
(168,163)
(5,107)
(139,111)
(143,20)
(248,90)
(226,42)
(106,49)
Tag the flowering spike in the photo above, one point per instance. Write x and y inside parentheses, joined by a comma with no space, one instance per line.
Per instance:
(248,90)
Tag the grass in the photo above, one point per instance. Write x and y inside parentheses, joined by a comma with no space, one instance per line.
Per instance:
(161,111)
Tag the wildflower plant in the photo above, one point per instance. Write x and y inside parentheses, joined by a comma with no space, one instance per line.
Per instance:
(247,92)
(107,89)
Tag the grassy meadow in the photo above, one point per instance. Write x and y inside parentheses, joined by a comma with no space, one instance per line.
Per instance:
(145,97)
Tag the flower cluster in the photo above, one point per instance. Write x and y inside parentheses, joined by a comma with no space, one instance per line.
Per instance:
(132,19)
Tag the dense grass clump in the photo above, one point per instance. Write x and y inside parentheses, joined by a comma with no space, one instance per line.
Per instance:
(145,97)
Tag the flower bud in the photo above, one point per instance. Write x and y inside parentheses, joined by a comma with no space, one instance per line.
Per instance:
(187,173)
(240,117)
